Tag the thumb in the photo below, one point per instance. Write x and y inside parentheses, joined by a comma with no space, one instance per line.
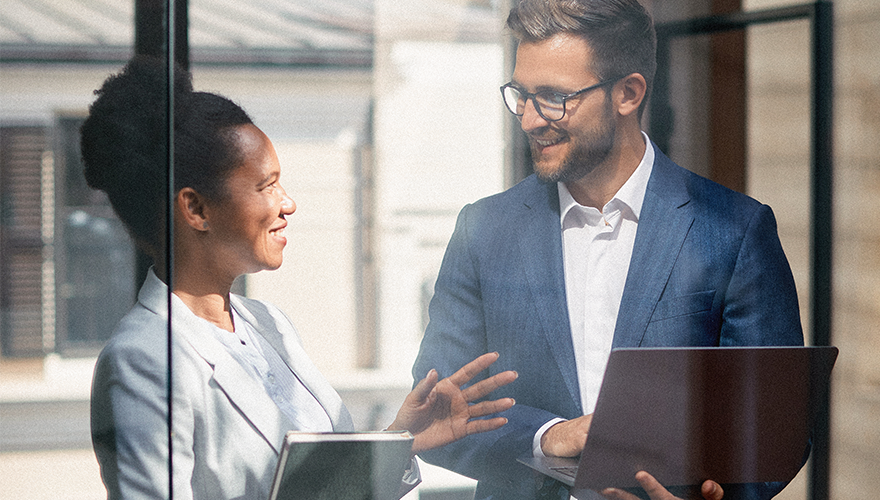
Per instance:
(423,389)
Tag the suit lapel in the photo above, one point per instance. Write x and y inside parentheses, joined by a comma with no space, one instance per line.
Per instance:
(664,223)
(285,340)
(540,243)
(245,393)
(248,396)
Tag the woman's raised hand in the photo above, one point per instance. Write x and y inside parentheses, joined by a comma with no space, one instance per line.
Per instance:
(440,412)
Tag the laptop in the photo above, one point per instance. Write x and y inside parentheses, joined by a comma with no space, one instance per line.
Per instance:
(731,414)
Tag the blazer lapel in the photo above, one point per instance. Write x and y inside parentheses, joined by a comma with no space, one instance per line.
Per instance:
(663,226)
(540,243)
(250,398)
(283,337)
(240,388)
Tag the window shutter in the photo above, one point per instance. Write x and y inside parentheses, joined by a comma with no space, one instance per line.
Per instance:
(21,244)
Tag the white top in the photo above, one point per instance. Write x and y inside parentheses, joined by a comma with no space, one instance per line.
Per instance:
(254,353)
(597,247)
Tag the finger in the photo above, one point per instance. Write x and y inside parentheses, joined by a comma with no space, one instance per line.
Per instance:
(712,491)
(652,487)
(423,389)
(484,387)
(489,407)
(616,494)
(470,370)
(490,424)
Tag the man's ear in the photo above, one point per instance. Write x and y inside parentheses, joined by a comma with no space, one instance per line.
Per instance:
(191,208)
(632,89)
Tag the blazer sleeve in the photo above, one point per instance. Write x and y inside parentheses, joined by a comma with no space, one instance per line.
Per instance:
(760,302)
(130,427)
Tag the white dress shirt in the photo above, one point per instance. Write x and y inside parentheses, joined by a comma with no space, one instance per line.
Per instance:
(597,247)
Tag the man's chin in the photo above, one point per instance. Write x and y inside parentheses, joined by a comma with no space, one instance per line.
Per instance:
(547,173)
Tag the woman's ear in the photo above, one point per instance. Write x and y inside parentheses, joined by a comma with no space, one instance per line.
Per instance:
(191,208)
(633,88)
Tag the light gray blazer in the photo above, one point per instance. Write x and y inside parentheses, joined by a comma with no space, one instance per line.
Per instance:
(226,429)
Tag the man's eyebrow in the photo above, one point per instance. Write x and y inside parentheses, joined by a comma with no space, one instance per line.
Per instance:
(541,88)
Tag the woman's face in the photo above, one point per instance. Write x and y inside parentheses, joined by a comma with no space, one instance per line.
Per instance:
(248,223)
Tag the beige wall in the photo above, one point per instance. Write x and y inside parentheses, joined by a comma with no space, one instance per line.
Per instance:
(438,145)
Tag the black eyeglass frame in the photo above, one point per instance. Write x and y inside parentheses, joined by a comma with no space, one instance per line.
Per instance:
(555,95)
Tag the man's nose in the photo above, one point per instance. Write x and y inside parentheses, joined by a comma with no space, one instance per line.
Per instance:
(531,119)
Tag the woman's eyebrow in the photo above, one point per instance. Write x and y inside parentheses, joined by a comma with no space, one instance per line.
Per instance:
(270,177)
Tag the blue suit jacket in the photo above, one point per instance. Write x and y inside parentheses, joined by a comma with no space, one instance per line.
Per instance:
(707,269)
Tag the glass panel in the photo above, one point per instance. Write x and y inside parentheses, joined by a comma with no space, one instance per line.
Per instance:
(379,173)
(778,164)
(364,104)
(371,225)
(781,98)
(67,267)
(777,134)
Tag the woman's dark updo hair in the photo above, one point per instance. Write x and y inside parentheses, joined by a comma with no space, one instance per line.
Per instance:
(123,143)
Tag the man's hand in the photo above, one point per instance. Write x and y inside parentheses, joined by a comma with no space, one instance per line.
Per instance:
(566,439)
(438,413)
(710,490)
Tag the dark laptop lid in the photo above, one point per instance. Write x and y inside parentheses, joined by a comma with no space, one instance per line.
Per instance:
(731,414)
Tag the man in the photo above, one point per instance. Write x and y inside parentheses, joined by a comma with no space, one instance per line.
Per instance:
(609,244)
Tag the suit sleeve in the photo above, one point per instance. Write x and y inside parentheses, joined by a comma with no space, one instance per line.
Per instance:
(761,304)
(456,334)
(130,429)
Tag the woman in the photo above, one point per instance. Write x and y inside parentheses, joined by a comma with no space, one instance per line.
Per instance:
(240,378)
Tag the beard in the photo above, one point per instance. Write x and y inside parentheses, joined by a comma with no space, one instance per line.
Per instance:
(589,150)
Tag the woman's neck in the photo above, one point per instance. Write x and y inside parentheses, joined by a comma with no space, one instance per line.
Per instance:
(205,293)
(206,300)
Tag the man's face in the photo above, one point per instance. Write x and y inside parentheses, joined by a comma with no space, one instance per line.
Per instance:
(568,149)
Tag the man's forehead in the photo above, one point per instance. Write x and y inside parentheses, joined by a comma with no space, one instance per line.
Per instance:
(557,62)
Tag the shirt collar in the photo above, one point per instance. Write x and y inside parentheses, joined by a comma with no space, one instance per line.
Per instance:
(631,194)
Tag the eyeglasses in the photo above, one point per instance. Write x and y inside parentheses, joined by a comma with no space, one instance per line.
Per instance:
(549,104)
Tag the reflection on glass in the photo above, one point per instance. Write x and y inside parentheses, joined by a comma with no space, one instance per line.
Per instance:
(99,276)
(361,121)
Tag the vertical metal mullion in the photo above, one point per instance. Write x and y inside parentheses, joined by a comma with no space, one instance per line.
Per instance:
(170,26)
(822,174)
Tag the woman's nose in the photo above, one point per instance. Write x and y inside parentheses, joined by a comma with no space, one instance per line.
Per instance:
(288,206)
